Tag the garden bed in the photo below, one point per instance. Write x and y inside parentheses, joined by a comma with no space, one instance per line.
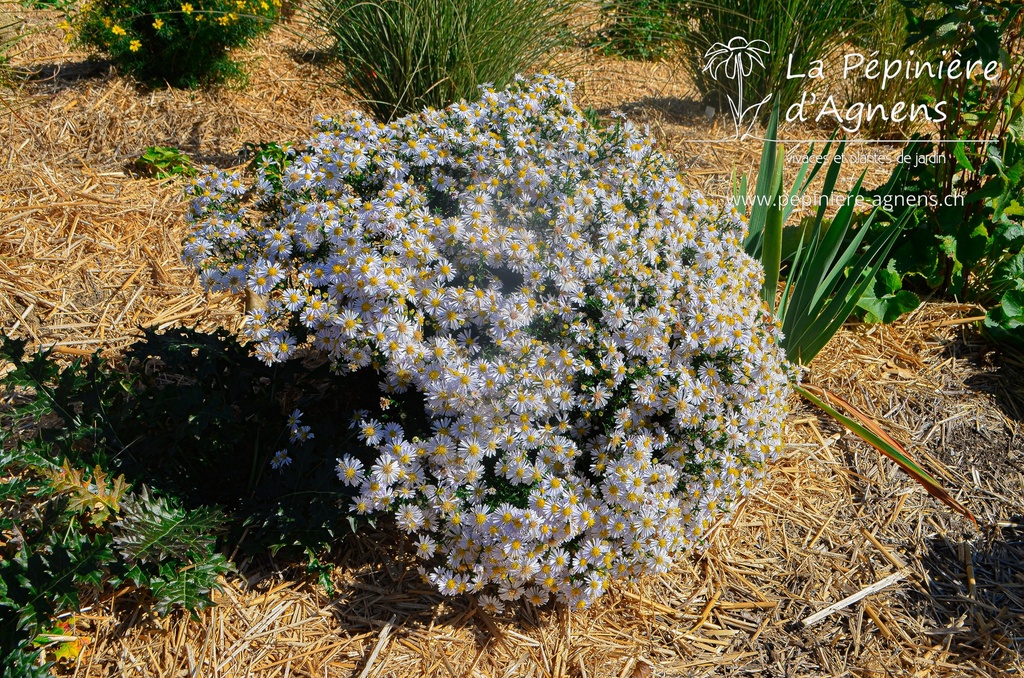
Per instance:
(89,250)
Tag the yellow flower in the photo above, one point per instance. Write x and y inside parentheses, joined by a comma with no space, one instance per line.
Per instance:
(186,7)
(158,24)
(222,20)
(69,36)
(117,30)
(134,45)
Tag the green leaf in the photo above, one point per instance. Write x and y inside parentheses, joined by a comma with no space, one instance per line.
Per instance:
(1009,235)
(771,256)
(889,307)
(1005,323)
(152,529)
(1009,272)
(948,245)
(1012,305)
(994,187)
(918,254)
(188,586)
(890,278)
(763,187)
(885,301)
(93,496)
(961,156)
(972,245)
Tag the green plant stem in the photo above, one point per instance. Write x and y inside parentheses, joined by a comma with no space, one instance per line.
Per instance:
(772,256)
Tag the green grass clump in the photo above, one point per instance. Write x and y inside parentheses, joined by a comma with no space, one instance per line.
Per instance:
(181,43)
(400,56)
(886,40)
(9,38)
(808,29)
(641,29)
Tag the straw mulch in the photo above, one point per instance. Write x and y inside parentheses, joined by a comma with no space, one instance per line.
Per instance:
(833,520)
(88,252)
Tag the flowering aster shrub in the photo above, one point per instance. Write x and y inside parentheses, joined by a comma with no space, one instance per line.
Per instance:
(599,379)
(181,43)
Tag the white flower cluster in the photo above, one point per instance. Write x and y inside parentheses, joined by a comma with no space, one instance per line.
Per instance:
(601,377)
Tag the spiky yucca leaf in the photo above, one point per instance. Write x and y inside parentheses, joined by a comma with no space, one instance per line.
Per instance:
(866,429)
(829,273)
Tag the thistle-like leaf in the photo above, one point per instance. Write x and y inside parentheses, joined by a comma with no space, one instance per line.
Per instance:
(96,496)
(188,587)
(153,529)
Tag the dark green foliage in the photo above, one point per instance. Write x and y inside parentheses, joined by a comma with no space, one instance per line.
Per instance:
(208,417)
(399,56)
(76,527)
(1005,322)
(184,44)
(965,233)
(268,155)
(182,586)
(138,476)
(641,29)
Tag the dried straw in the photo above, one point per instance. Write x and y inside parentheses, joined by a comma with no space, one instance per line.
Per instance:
(88,253)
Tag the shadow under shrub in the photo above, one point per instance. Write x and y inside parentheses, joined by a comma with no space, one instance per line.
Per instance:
(184,44)
(145,476)
(207,419)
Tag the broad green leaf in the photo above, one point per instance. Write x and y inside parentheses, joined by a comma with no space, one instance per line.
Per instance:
(961,156)
(1009,235)
(994,187)
(1008,272)
(1013,306)
(889,307)
(1013,209)
(972,245)
(890,279)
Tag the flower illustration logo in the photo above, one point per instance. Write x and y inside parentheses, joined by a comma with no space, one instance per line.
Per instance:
(737,59)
